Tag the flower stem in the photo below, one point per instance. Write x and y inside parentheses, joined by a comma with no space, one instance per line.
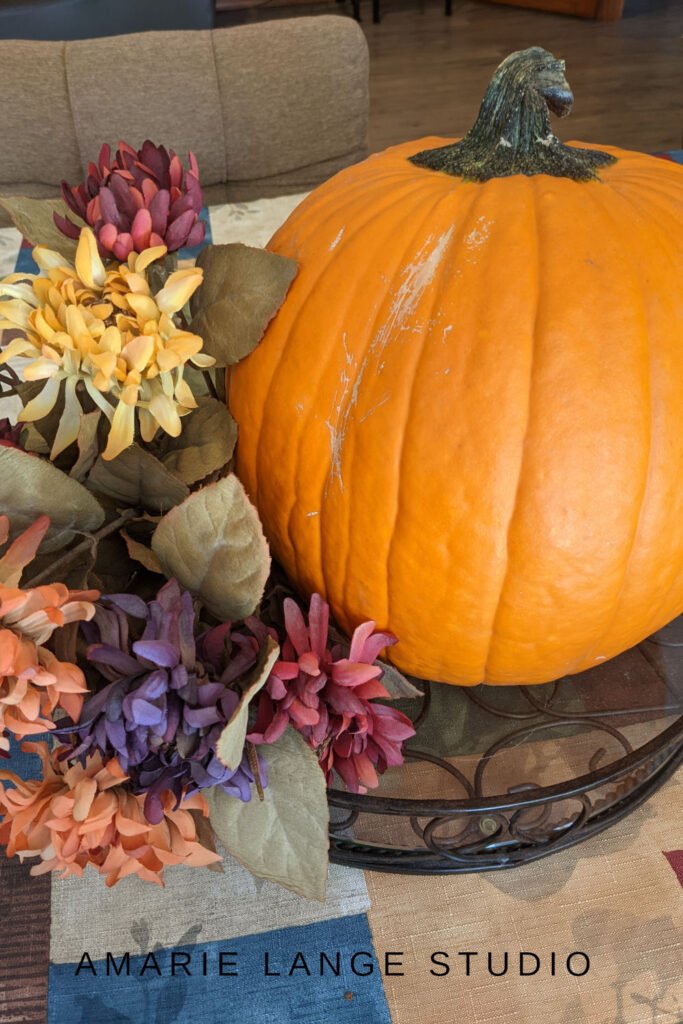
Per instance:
(12,376)
(210,383)
(252,757)
(71,556)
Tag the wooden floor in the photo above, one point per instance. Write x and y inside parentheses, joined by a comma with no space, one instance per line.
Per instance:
(428,72)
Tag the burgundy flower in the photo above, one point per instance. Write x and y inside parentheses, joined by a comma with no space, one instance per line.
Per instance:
(139,200)
(10,436)
(330,699)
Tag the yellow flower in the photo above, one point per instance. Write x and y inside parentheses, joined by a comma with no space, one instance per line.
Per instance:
(103,328)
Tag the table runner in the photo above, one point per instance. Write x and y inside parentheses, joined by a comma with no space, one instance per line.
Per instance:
(250,952)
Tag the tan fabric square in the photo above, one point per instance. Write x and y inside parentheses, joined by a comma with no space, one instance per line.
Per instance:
(614,897)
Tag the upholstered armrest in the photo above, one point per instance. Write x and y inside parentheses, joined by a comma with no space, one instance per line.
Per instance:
(268,108)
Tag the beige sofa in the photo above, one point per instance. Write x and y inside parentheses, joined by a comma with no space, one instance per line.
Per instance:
(270,108)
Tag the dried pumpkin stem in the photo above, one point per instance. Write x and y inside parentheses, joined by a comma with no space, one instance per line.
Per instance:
(512,133)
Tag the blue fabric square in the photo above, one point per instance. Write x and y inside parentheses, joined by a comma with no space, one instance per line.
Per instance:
(26,766)
(250,997)
(192,251)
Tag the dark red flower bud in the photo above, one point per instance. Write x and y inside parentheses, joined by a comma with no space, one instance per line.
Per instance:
(115,194)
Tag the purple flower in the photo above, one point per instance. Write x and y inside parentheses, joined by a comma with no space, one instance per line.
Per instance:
(140,199)
(330,699)
(163,699)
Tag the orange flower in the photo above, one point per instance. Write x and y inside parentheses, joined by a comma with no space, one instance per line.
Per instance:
(75,816)
(32,680)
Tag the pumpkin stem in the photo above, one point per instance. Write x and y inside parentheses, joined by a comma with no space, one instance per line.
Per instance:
(512,133)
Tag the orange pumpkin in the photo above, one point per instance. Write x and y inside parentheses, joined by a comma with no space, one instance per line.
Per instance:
(466,422)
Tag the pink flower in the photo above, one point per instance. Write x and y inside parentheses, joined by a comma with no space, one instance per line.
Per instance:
(139,200)
(329,699)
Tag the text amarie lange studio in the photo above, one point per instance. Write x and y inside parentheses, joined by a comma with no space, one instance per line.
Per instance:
(225,963)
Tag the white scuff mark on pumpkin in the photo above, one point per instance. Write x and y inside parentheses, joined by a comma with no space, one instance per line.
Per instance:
(335,457)
(336,440)
(479,233)
(337,240)
(337,424)
(416,278)
(447,370)
(299,408)
(445,332)
(309,514)
(374,409)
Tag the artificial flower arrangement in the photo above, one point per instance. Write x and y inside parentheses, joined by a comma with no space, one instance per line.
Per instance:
(185,693)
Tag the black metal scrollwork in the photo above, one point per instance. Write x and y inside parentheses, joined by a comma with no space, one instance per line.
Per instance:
(479,832)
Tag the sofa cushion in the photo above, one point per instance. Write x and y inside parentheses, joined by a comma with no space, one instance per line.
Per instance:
(158,85)
(269,131)
(38,138)
(270,108)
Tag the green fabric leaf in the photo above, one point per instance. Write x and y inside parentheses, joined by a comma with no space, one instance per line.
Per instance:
(136,477)
(33,441)
(207,837)
(46,427)
(141,553)
(31,487)
(113,569)
(196,380)
(33,217)
(214,545)
(396,683)
(284,837)
(205,445)
(230,745)
(242,290)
